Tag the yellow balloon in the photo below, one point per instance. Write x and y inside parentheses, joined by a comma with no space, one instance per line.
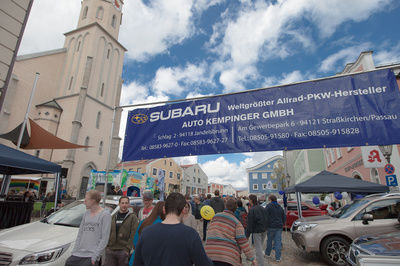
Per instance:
(207,212)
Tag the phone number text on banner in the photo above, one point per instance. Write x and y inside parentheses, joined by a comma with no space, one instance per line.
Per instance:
(356,110)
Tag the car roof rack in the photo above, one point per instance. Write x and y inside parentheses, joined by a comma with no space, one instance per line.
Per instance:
(392,194)
(376,195)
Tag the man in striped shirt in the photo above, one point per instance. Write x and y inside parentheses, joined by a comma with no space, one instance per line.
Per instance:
(226,239)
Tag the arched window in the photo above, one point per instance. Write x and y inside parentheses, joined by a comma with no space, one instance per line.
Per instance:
(85,10)
(375,176)
(102,89)
(108,54)
(98,120)
(101,148)
(99,13)
(87,143)
(114,21)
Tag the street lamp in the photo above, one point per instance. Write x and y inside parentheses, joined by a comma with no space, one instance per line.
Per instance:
(387,151)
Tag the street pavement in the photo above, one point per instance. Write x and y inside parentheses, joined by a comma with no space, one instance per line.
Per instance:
(291,255)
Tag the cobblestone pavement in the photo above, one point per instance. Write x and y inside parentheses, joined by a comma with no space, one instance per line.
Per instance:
(291,255)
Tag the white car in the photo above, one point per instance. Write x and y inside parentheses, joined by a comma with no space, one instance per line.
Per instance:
(46,242)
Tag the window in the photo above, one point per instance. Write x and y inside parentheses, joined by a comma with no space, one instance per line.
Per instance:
(338,153)
(254,175)
(375,176)
(274,186)
(87,143)
(108,54)
(139,169)
(332,155)
(273,176)
(255,186)
(99,13)
(98,120)
(79,45)
(154,171)
(198,180)
(101,148)
(194,180)
(70,83)
(384,209)
(264,186)
(178,176)
(171,175)
(165,162)
(328,159)
(102,89)
(170,163)
(264,176)
(114,21)
(85,10)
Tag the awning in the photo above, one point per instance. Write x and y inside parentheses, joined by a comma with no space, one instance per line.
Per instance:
(39,138)
(327,182)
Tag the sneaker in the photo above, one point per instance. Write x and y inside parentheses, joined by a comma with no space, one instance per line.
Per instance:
(278,260)
(267,256)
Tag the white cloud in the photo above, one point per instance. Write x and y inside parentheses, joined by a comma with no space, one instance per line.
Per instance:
(202,5)
(178,80)
(388,55)
(328,15)
(224,172)
(150,29)
(234,79)
(344,56)
(47,22)
(261,31)
(187,160)
(292,77)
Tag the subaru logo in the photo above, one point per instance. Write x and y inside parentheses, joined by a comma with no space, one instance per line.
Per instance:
(139,118)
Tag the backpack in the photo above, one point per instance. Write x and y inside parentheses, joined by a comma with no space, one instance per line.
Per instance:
(243,218)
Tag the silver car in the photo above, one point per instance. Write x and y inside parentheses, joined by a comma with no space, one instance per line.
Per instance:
(332,235)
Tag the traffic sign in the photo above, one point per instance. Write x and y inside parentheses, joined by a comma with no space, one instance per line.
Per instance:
(389,169)
(391,180)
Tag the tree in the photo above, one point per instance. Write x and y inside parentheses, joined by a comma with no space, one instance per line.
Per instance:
(279,173)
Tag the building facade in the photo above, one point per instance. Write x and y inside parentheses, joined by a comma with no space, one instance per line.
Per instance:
(173,173)
(78,87)
(215,186)
(266,177)
(194,180)
(229,190)
(348,161)
(307,163)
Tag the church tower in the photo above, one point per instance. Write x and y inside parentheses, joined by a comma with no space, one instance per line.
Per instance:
(89,89)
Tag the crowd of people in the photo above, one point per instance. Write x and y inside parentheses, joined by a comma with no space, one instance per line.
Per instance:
(171,231)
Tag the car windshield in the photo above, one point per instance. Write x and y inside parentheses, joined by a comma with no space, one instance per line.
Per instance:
(71,215)
(349,209)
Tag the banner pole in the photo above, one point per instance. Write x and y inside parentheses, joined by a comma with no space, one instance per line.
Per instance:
(21,133)
(109,157)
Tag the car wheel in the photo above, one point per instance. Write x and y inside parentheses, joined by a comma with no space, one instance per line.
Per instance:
(334,250)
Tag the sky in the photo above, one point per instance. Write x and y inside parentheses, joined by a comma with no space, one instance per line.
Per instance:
(187,48)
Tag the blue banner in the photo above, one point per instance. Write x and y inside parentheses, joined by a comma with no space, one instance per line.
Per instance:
(355,110)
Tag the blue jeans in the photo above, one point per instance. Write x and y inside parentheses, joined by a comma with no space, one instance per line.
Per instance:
(274,234)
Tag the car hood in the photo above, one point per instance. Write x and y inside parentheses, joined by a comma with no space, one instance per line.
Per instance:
(323,219)
(37,236)
(383,244)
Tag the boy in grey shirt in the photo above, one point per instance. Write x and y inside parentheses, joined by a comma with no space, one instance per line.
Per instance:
(93,234)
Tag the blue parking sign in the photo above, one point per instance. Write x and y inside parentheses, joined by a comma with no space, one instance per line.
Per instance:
(391,180)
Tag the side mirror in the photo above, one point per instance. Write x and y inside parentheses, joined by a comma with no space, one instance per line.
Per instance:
(367,218)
